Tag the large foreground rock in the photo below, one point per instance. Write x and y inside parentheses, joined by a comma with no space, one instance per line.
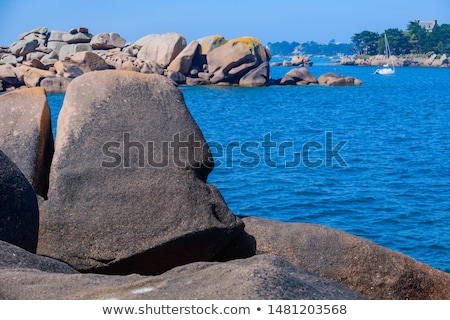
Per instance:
(258,278)
(26,134)
(19,214)
(127,185)
(357,263)
(231,61)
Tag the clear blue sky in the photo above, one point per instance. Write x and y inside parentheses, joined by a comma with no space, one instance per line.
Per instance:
(269,21)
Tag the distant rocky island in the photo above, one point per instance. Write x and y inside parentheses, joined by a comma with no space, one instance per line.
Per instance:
(52,59)
(431,60)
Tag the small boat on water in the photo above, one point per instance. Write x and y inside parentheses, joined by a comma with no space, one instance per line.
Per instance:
(388,68)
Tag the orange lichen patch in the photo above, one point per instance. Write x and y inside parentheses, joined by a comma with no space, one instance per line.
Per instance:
(212,43)
(249,41)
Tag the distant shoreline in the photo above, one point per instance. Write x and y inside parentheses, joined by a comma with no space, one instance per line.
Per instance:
(434,60)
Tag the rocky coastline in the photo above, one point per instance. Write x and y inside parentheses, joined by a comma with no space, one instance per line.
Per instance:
(52,59)
(432,60)
(79,220)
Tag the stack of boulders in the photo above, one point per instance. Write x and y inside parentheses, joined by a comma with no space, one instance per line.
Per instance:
(52,59)
(48,58)
(120,208)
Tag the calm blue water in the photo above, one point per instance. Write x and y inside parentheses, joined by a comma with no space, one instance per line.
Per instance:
(389,180)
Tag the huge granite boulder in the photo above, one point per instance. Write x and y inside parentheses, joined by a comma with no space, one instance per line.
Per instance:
(183,62)
(231,61)
(210,43)
(298,76)
(128,189)
(19,213)
(160,48)
(258,278)
(104,41)
(359,264)
(337,80)
(26,134)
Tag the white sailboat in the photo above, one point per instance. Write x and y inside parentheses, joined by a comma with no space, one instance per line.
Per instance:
(388,68)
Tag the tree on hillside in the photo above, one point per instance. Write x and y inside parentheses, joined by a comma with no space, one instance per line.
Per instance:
(417,37)
(398,42)
(283,48)
(366,42)
(440,39)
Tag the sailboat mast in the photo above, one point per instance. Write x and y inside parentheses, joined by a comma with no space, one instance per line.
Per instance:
(388,51)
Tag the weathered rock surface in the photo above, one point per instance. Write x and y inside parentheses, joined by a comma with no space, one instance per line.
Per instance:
(258,278)
(79,37)
(34,76)
(210,43)
(124,201)
(55,35)
(55,84)
(88,61)
(178,77)
(13,257)
(231,61)
(19,213)
(11,75)
(8,59)
(69,49)
(26,135)
(257,77)
(107,41)
(337,80)
(161,48)
(183,62)
(23,47)
(68,69)
(357,263)
(298,76)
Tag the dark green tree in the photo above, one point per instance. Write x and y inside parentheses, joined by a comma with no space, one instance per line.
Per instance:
(417,37)
(283,48)
(366,42)
(439,39)
(398,42)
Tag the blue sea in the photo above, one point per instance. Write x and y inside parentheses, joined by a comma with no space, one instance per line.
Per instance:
(372,160)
